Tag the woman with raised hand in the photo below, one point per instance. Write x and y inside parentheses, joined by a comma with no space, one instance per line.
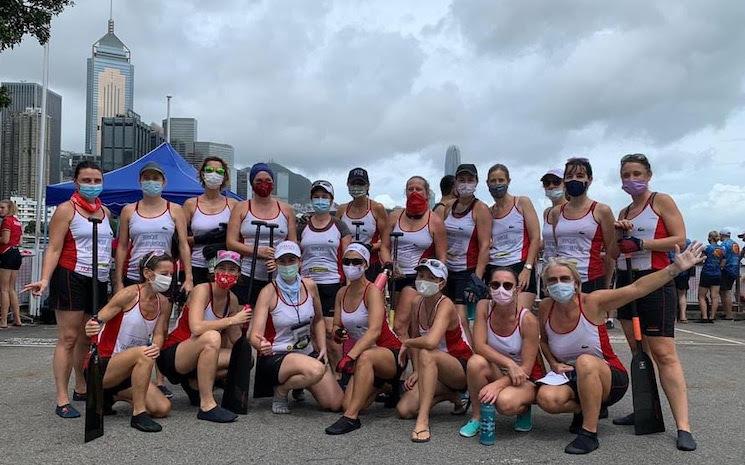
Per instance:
(131,329)
(289,335)
(373,359)
(11,233)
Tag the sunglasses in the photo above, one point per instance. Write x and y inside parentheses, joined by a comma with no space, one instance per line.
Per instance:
(210,169)
(352,261)
(507,285)
(551,182)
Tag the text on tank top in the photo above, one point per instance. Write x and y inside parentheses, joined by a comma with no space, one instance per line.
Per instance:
(648,225)
(289,327)
(454,341)
(547,233)
(182,331)
(202,223)
(248,233)
(413,246)
(462,238)
(368,230)
(127,329)
(321,250)
(581,240)
(357,323)
(509,235)
(148,234)
(77,249)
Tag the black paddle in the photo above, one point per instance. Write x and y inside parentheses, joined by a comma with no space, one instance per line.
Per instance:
(94,377)
(357,225)
(235,394)
(647,408)
(391,282)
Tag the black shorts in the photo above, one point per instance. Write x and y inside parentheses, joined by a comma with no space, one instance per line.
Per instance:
(657,310)
(709,280)
(619,384)
(11,259)
(456,285)
(125,384)
(407,281)
(517,268)
(593,285)
(200,275)
(728,281)
(682,282)
(166,362)
(267,373)
(241,290)
(70,291)
(373,271)
(378,383)
(327,293)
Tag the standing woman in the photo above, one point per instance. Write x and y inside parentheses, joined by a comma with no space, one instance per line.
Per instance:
(730,271)
(322,241)
(11,233)
(682,282)
(68,271)
(553,186)
(423,237)
(438,349)
(241,233)
(152,223)
(515,234)
(208,215)
(711,278)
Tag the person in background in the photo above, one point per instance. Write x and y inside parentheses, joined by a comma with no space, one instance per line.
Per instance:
(11,232)
(742,279)
(730,271)
(711,278)
(681,286)
(553,186)
(447,190)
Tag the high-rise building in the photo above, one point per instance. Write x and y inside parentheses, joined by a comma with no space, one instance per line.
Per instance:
(21,139)
(69,160)
(110,86)
(183,136)
(203,150)
(452,159)
(289,186)
(124,139)
(25,95)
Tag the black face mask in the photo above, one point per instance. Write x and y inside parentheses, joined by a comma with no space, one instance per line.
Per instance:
(575,188)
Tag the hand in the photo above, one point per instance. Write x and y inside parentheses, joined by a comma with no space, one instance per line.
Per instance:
(629,244)
(489,393)
(271,265)
(346,365)
(152,351)
(322,356)
(37,288)
(411,381)
(388,266)
(188,285)
(403,357)
(623,225)
(693,255)
(561,368)
(265,347)
(267,253)
(340,335)
(397,273)
(523,279)
(92,327)
(243,316)
(517,374)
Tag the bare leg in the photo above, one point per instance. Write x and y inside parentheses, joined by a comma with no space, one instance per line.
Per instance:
(201,352)
(479,373)
(4,296)
(682,305)
(372,362)
(702,302)
(672,378)
(594,382)
(726,297)
(68,330)
(402,316)
(433,367)
(514,400)
(714,294)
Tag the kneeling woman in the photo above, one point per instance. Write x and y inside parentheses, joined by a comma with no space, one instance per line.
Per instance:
(289,334)
(439,350)
(198,349)
(373,360)
(506,362)
(575,343)
(135,322)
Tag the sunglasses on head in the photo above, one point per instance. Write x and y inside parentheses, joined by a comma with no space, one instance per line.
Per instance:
(507,285)
(634,158)
(551,182)
(352,261)
(210,169)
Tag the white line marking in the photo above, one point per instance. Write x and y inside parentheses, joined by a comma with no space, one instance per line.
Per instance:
(731,341)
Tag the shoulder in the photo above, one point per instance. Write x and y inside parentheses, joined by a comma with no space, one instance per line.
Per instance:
(663,202)
(128,293)
(603,209)
(128,210)
(341,209)
(284,207)
(232,203)
(341,226)
(190,203)
(481,208)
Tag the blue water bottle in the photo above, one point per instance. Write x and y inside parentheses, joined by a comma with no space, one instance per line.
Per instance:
(487,435)
(471,310)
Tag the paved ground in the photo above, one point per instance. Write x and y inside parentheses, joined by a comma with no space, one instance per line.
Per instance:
(712,356)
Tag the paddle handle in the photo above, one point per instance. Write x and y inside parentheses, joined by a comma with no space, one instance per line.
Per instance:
(94,273)
(637,329)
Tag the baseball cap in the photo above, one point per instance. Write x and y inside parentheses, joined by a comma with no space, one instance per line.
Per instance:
(360,249)
(741,235)
(358,174)
(321,184)
(228,256)
(152,166)
(469,168)
(436,267)
(287,247)
(724,232)
(558,172)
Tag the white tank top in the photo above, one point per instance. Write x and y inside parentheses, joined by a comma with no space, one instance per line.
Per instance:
(289,326)
(368,231)
(463,241)
(510,346)
(248,233)
(77,249)
(547,233)
(147,235)
(510,241)
(581,240)
(135,330)
(648,225)
(413,246)
(356,322)
(321,249)
(202,223)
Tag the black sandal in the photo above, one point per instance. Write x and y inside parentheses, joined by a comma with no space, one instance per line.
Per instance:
(415,437)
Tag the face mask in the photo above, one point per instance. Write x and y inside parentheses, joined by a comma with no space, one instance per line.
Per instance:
(555,194)
(90,191)
(152,188)
(357,191)
(288,272)
(575,188)
(561,292)
(466,189)
(498,191)
(213,180)
(353,272)
(161,283)
(321,205)
(225,280)
(416,204)
(263,188)
(426,288)
(502,296)
(634,187)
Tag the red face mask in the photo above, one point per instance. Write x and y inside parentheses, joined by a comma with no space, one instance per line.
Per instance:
(263,188)
(225,280)
(416,204)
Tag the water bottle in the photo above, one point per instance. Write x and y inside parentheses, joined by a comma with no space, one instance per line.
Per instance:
(471,310)
(487,434)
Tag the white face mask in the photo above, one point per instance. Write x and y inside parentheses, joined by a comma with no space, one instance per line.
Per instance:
(353,272)
(502,296)
(213,180)
(426,288)
(555,194)
(161,282)
(466,189)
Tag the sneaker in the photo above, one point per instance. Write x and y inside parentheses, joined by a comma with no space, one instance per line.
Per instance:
(344,425)
(78,397)
(685,441)
(166,392)
(470,429)
(217,415)
(524,421)
(144,423)
(192,393)
(66,411)
(280,405)
(627,420)
(584,443)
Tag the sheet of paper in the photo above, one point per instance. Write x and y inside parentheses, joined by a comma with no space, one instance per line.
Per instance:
(553,379)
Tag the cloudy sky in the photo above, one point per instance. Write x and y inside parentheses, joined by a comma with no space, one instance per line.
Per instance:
(324,86)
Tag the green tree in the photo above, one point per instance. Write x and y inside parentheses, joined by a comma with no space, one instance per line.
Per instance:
(4,97)
(30,227)
(21,17)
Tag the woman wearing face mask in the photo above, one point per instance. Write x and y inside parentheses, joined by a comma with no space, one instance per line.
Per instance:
(373,359)
(241,233)
(363,209)
(150,224)
(515,234)
(289,335)
(197,351)
(11,233)
(553,185)
(67,271)
(575,343)
(131,329)
(208,215)
(423,237)
(438,350)
(506,361)
(322,239)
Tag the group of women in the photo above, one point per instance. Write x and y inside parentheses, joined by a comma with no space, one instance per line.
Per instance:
(311,295)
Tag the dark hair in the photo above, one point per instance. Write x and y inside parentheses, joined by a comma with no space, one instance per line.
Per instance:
(151,260)
(226,180)
(498,167)
(636,158)
(426,183)
(578,162)
(502,268)
(86,164)
(446,184)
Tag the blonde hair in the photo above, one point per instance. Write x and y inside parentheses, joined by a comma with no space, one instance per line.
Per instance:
(12,209)
(565,262)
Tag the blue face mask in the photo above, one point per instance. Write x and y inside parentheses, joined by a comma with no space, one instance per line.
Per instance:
(289,282)
(321,205)
(152,188)
(561,292)
(90,191)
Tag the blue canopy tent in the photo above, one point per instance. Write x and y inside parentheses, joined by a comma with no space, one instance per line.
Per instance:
(122,186)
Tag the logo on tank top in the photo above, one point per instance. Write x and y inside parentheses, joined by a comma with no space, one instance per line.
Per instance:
(585,347)
(640,229)
(582,233)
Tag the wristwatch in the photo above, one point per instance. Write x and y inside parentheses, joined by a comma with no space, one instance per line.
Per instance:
(528,266)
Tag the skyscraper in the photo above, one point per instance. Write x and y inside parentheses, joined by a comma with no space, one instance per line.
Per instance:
(124,139)
(183,136)
(110,87)
(21,139)
(452,159)
(203,150)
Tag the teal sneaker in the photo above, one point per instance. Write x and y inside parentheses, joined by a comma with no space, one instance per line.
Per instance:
(524,421)
(470,429)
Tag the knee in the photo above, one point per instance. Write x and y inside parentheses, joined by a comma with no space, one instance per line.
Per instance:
(405,410)
(586,365)
(364,359)
(666,356)
(142,357)
(161,409)
(211,340)
(548,401)
(477,364)
(67,339)
(426,358)
(508,404)
(316,370)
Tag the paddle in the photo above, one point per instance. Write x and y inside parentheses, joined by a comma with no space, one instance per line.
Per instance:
(94,377)
(392,282)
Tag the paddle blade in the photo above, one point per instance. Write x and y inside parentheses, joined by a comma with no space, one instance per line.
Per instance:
(647,408)
(94,400)
(235,395)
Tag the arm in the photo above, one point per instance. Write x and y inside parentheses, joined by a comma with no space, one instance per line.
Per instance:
(673,219)
(291,222)
(385,237)
(338,308)
(439,237)
(442,320)
(340,211)
(258,322)
(381,220)
(183,245)
(198,300)
(58,228)
(376,315)
(5,236)
(117,303)
(534,228)
(233,239)
(161,327)
(604,216)
(483,219)
(530,332)
(188,208)
(319,326)
(122,247)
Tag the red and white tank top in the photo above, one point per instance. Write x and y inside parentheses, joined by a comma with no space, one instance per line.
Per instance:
(511,345)
(581,240)
(202,223)
(648,225)
(289,327)
(463,241)
(248,233)
(77,249)
(11,224)
(356,323)
(182,331)
(369,232)
(127,329)
(146,235)
(321,250)
(547,233)
(509,236)
(585,338)
(454,342)
(413,246)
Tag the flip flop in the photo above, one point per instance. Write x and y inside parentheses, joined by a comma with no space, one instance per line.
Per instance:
(415,436)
